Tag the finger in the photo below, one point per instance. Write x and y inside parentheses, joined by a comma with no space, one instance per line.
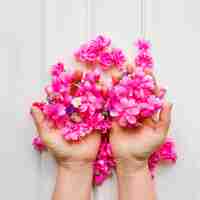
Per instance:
(115,125)
(130,68)
(164,118)
(117,129)
(38,118)
(115,73)
(149,71)
(149,122)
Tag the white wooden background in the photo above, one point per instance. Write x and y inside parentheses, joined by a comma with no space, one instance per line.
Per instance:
(34,34)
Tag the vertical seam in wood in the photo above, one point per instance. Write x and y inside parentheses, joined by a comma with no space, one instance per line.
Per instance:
(142,18)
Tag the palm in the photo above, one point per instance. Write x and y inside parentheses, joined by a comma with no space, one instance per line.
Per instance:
(142,141)
(139,142)
(62,150)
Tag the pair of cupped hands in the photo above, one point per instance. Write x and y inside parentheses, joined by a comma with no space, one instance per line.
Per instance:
(131,147)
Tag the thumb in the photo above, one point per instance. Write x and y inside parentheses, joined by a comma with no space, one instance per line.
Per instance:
(165,118)
(38,118)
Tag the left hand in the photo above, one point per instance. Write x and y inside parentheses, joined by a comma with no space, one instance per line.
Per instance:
(65,152)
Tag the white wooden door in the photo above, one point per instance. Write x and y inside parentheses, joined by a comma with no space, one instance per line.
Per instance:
(34,34)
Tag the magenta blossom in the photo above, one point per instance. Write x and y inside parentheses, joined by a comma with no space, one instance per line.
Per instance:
(143,45)
(104,164)
(166,153)
(118,57)
(57,69)
(89,52)
(144,59)
(105,60)
(38,144)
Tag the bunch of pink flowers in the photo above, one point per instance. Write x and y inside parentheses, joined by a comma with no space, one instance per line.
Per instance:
(143,58)
(98,51)
(78,104)
(134,98)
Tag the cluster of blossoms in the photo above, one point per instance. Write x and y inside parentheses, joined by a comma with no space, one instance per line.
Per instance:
(98,51)
(134,98)
(166,153)
(75,103)
(104,163)
(143,57)
(79,104)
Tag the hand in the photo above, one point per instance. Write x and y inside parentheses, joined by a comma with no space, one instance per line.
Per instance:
(66,153)
(132,146)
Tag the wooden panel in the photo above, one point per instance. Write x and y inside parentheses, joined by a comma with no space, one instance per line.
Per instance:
(174,29)
(118,19)
(20,81)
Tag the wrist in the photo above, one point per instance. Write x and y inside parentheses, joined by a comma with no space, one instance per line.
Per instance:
(75,167)
(130,166)
(73,176)
(136,183)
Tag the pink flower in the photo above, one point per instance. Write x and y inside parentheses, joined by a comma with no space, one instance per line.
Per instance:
(39,105)
(75,131)
(57,69)
(87,54)
(118,57)
(105,59)
(144,59)
(54,111)
(166,153)
(104,163)
(101,121)
(38,144)
(126,110)
(103,41)
(143,45)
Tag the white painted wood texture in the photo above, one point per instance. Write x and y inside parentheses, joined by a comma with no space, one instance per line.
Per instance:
(174,30)
(34,34)
(21,58)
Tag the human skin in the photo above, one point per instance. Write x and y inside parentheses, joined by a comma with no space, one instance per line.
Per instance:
(74,160)
(131,148)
